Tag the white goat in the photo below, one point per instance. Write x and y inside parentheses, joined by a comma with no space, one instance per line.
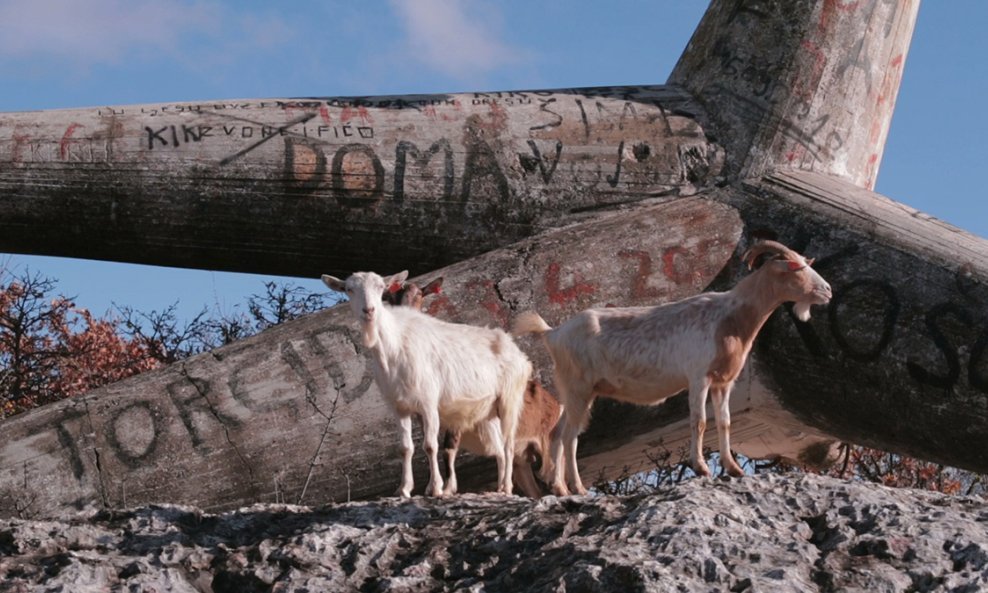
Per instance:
(456,374)
(539,414)
(644,355)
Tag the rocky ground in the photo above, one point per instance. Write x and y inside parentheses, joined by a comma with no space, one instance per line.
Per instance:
(765,533)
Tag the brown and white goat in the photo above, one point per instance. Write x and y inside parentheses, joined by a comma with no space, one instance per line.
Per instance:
(454,374)
(409,294)
(644,355)
(539,414)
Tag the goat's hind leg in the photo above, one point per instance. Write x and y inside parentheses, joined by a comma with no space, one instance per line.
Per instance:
(576,401)
(552,453)
(508,427)
(494,437)
(576,413)
(579,415)
(556,481)
(698,424)
(451,443)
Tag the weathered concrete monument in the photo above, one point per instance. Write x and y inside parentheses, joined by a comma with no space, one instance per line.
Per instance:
(772,125)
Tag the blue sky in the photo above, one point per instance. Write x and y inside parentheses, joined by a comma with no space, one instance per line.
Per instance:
(71,53)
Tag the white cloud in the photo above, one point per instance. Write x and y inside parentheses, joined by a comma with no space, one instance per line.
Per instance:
(96,30)
(444,37)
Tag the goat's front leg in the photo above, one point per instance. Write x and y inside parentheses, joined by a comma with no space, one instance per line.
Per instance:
(451,443)
(407,447)
(430,442)
(698,425)
(721,398)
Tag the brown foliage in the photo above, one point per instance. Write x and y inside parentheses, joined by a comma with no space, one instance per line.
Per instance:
(900,471)
(857,463)
(96,355)
(50,349)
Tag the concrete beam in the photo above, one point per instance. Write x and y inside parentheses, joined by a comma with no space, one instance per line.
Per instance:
(299,187)
(800,84)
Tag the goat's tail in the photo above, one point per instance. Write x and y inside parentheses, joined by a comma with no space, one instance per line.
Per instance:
(529,322)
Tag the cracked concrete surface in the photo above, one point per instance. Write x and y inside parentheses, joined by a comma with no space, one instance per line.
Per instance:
(219,419)
(294,360)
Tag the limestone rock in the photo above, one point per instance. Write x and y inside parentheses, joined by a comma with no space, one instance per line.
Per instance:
(762,533)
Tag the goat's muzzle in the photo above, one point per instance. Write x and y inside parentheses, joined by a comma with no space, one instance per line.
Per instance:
(820,295)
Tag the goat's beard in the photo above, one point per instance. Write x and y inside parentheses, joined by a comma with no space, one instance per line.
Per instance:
(802,311)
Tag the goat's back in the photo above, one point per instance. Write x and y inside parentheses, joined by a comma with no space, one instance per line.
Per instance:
(464,367)
(642,348)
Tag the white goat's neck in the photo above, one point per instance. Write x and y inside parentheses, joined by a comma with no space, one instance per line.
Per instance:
(752,302)
(381,334)
(759,294)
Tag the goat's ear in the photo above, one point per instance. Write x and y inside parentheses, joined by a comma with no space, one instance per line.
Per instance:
(394,287)
(398,278)
(334,283)
(434,287)
(809,261)
(795,266)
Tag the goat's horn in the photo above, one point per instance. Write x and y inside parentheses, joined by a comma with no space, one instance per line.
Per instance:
(762,247)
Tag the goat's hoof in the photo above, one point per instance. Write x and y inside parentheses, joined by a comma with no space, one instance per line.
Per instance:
(560,490)
(702,470)
(735,472)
